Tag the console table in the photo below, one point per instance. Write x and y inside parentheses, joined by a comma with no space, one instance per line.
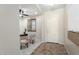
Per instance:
(24,41)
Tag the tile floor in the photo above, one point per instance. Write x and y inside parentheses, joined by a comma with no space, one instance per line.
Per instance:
(50,48)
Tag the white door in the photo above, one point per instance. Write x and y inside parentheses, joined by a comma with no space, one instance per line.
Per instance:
(54,30)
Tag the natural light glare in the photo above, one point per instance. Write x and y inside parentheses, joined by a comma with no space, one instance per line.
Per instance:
(51,4)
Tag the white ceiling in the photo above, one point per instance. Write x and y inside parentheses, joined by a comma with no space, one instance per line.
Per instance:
(36,9)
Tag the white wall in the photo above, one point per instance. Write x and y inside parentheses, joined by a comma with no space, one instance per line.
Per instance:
(23,24)
(73,13)
(73,25)
(53,26)
(9,29)
(39,28)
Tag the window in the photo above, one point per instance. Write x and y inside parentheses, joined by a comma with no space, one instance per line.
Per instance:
(31,25)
